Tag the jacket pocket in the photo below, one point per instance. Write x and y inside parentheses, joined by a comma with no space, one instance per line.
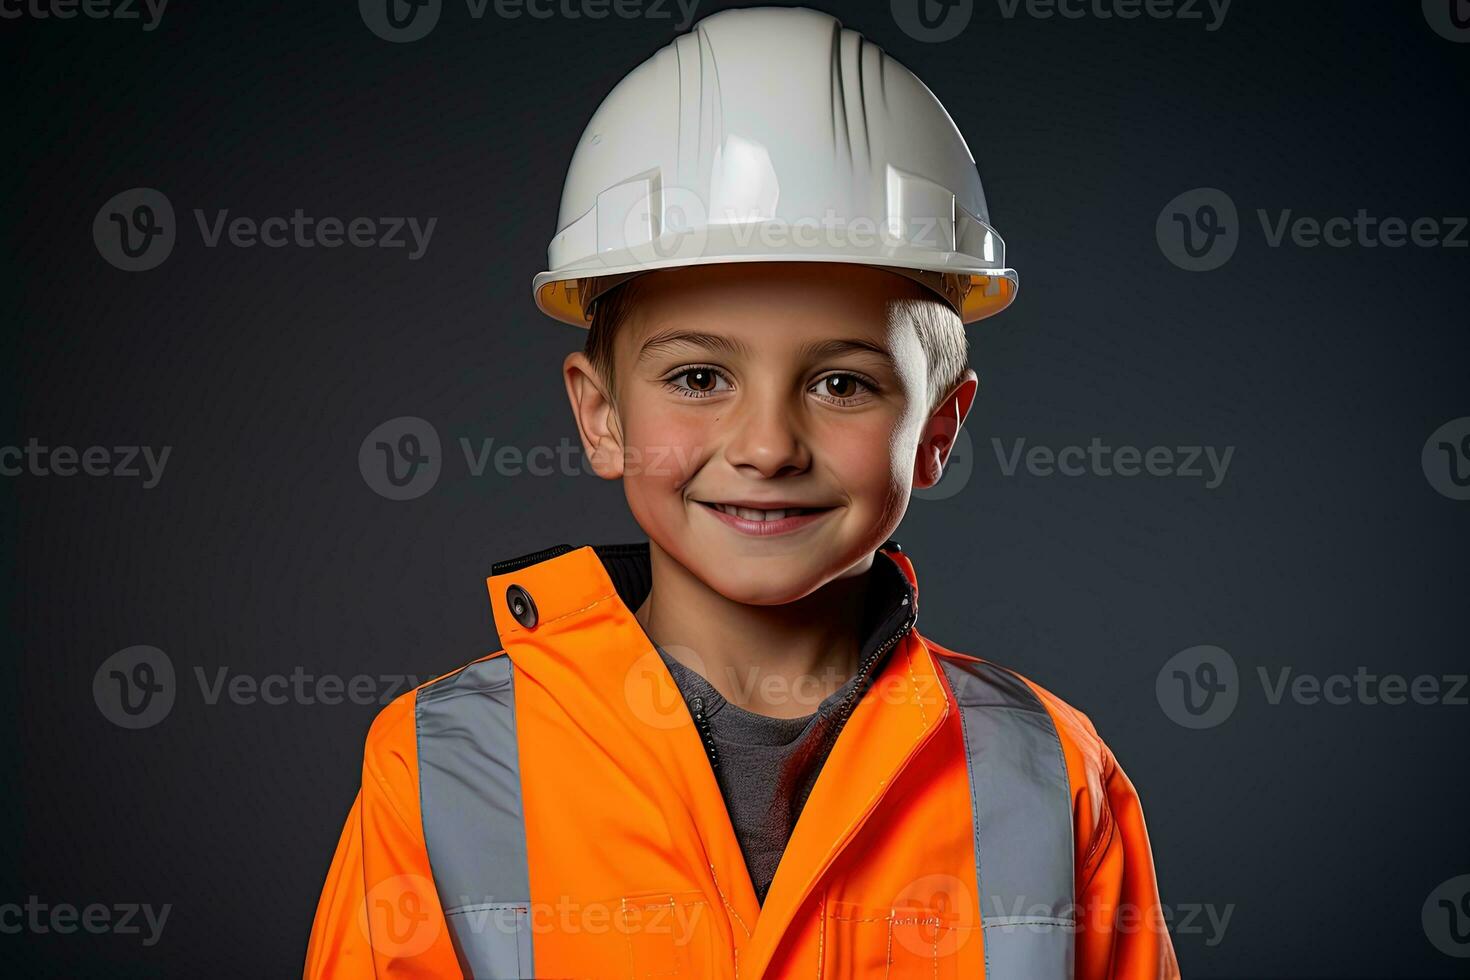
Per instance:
(665,934)
(492,940)
(861,941)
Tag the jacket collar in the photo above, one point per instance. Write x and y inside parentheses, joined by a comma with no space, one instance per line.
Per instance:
(544,605)
(562,579)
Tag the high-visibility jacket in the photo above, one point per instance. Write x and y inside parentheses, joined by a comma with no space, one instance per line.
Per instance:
(549,811)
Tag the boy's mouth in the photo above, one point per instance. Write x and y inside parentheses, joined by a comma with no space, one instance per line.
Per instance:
(764,513)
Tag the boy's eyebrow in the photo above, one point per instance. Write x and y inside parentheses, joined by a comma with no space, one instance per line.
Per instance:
(673,338)
(729,345)
(831,348)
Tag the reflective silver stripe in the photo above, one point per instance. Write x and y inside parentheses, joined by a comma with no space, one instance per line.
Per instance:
(474,824)
(1023,824)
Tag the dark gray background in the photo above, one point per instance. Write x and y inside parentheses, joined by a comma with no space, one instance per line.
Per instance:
(1323,829)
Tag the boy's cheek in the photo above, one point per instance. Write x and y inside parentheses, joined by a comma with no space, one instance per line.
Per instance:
(666,454)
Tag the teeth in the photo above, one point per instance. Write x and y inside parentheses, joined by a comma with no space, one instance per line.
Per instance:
(751,514)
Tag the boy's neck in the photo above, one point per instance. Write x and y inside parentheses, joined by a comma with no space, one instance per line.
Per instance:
(780,661)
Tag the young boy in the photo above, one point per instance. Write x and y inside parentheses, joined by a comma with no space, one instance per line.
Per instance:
(727,751)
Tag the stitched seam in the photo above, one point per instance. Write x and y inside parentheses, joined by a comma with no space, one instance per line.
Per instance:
(888,954)
(556,619)
(730,908)
(821,932)
(914,684)
(1006,923)
(628,938)
(490,907)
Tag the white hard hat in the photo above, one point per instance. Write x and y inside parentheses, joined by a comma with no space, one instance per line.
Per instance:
(773,134)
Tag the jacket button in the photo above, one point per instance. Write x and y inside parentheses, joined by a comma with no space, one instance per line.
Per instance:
(521,606)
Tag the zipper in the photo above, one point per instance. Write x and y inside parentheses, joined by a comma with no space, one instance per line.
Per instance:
(516,564)
(866,667)
(702,723)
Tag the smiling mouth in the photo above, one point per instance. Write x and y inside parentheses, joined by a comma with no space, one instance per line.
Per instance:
(754,514)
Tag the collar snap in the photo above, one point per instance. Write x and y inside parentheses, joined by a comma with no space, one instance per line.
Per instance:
(521,606)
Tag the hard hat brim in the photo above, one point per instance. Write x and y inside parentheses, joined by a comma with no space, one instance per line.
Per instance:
(978,291)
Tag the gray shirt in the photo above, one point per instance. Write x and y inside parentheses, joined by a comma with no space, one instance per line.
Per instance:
(767,766)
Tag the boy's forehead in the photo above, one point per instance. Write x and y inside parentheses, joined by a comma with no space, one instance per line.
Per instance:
(812,308)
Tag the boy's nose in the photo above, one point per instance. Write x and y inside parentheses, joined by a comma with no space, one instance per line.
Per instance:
(766,434)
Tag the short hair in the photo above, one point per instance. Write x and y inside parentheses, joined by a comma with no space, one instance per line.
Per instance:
(941,333)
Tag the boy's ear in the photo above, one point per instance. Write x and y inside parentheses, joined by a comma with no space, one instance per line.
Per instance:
(941,430)
(597,422)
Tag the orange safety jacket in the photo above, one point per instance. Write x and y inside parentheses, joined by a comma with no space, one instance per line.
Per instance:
(549,811)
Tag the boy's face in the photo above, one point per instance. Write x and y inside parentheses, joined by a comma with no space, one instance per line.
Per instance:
(768,386)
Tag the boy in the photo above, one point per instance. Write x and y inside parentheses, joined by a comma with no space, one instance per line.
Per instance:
(727,752)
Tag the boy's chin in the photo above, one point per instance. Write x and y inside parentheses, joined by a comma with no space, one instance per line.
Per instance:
(747,576)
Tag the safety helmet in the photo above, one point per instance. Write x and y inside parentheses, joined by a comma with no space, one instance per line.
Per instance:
(773,134)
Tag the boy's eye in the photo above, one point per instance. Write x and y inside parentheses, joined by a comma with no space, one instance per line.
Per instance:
(842,387)
(696,381)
